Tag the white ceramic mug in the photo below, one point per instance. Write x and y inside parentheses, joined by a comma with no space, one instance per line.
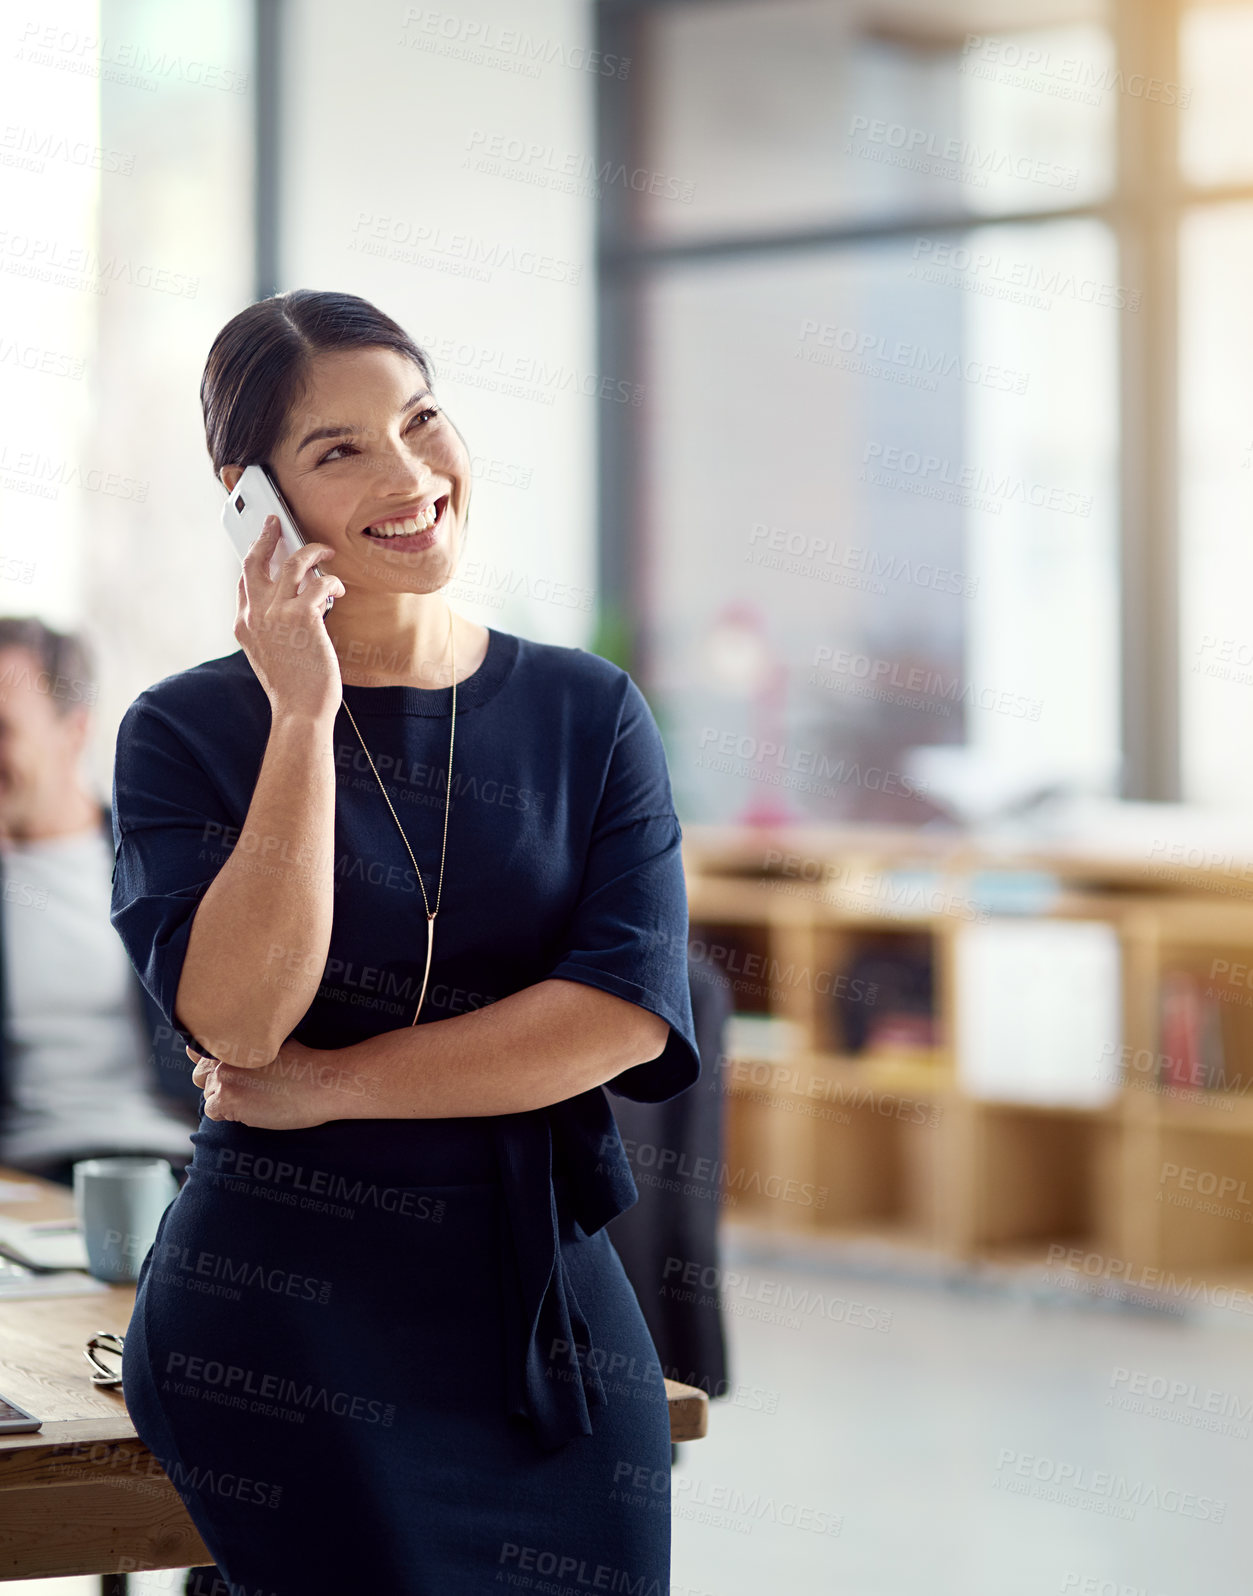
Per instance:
(119,1202)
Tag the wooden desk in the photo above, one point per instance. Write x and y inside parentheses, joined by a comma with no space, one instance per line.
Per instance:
(84,1495)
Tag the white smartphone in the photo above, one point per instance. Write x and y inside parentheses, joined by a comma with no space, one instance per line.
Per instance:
(254,497)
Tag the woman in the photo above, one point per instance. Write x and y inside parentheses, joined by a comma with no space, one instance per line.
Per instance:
(382,1342)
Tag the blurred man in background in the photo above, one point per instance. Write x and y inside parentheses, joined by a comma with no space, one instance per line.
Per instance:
(88,1067)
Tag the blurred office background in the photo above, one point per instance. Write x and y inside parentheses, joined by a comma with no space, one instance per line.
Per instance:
(871,378)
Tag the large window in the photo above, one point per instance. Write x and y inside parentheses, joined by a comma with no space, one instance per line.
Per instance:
(899,280)
(126,241)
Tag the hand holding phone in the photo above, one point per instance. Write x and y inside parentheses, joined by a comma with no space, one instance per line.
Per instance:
(281,632)
(255,497)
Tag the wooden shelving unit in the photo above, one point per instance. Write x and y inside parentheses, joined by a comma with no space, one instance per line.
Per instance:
(888,1143)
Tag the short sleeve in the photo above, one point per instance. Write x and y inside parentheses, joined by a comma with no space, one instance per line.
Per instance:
(628,933)
(169,840)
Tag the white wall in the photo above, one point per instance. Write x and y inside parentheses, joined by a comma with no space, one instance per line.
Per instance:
(383,117)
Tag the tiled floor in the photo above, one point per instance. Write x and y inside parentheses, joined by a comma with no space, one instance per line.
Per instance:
(965,1439)
(898,1432)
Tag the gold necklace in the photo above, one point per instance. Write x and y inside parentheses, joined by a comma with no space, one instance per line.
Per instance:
(430,913)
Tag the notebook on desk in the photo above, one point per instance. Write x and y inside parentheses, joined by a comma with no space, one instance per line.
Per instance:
(49,1244)
(17,1282)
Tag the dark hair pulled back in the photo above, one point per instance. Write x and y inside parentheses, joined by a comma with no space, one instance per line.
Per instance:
(258,365)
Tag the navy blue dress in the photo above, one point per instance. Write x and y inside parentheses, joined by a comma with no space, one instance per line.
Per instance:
(402,1356)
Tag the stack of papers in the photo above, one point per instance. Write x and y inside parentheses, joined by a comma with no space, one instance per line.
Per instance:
(16,1281)
(48,1244)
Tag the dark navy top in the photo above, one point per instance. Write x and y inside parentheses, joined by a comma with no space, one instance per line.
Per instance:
(563,860)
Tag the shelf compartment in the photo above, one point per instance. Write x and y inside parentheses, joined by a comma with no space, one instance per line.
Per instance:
(733,954)
(1043,1175)
(882,994)
(1203,1189)
(862,1136)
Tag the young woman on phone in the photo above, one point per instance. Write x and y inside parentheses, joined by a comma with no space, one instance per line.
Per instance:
(382,1341)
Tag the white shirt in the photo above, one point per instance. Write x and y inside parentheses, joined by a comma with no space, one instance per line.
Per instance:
(77,1047)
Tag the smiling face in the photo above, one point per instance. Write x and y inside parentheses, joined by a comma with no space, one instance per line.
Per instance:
(370,464)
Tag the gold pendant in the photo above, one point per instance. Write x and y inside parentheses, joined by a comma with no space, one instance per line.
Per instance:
(430,944)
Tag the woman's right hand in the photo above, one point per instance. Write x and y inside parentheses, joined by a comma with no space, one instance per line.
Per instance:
(282,632)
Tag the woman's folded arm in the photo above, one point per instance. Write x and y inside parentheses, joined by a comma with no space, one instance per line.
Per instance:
(538,1046)
(542,1045)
